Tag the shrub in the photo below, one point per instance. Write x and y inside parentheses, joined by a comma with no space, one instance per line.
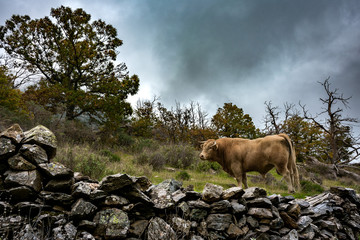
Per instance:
(310,187)
(112,157)
(84,159)
(142,144)
(92,165)
(180,155)
(156,159)
(183,175)
(205,166)
(177,156)
(125,139)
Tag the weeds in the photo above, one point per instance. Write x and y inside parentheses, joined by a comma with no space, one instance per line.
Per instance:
(177,156)
(84,159)
(183,175)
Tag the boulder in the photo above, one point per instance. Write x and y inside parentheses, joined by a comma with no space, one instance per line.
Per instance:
(232,193)
(115,182)
(7,148)
(158,229)
(68,231)
(181,226)
(211,192)
(221,206)
(59,185)
(56,170)
(254,192)
(30,179)
(260,213)
(18,163)
(161,194)
(112,223)
(43,137)
(22,193)
(138,228)
(219,222)
(34,153)
(82,210)
(14,133)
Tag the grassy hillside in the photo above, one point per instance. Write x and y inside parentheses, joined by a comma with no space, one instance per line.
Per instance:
(159,162)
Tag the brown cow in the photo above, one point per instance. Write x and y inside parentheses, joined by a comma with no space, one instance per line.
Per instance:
(238,156)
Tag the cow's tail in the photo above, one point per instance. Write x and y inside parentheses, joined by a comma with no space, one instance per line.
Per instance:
(292,163)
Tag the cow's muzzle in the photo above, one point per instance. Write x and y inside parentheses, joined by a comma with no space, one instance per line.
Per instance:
(202,157)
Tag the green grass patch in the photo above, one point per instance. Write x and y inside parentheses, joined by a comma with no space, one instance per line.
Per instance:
(187,169)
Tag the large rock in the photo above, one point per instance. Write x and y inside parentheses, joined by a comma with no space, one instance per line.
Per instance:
(68,231)
(56,170)
(181,225)
(211,192)
(57,198)
(43,137)
(14,133)
(254,192)
(115,182)
(138,227)
(161,194)
(7,148)
(83,210)
(34,153)
(18,163)
(112,223)
(260,213)
(30,179)
(59,185)
(158,229)
(233,192)
(219,222)
(22,193)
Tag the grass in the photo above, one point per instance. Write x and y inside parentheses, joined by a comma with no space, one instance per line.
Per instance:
(100,163)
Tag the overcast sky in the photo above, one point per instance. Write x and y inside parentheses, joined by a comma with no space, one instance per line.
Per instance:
(241,51)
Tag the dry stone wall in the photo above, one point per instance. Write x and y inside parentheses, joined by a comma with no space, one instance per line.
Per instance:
(40,199)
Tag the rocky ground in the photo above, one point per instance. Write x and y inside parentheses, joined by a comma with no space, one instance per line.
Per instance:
(40,199)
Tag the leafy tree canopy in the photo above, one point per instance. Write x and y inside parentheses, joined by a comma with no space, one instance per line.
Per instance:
(10,98)
(231,121)
(75,59)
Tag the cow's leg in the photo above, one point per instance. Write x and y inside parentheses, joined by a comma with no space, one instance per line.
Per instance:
(244,179)
(239,180)
(284,171)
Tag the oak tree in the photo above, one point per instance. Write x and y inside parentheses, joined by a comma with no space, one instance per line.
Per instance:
(231,121)
(75,60)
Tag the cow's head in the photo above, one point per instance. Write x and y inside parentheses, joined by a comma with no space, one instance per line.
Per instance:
(209,149)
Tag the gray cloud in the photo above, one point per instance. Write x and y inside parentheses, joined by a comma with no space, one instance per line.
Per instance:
(244,52)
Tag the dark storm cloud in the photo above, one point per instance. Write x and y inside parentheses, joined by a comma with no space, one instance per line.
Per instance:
(249,52)
(244,52)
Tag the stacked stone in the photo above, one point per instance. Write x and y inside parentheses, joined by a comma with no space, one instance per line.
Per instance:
(40,199)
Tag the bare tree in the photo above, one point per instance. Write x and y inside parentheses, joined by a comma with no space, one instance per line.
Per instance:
(344,147)
(272,124)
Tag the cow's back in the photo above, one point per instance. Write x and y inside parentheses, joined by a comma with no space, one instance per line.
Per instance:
(260,154)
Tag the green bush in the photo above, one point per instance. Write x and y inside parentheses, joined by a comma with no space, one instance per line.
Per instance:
(205,166)
(112,157)
(125,139)
(92,165)
(84,159)
(156,159)
(183,175)
(310,187)
(143,144)
(177,156)
(180,155)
